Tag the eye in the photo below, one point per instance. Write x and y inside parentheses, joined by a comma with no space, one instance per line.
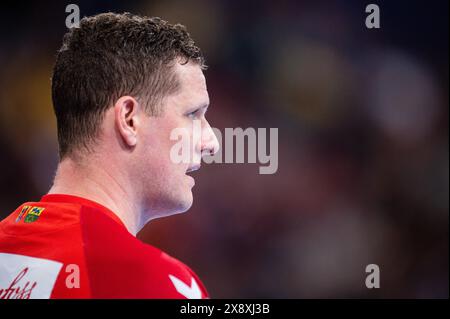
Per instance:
(194,113)
(197,112)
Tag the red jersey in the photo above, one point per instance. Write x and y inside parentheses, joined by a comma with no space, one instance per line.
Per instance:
(70,247)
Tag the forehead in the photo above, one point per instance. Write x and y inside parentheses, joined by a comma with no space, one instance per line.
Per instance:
(192,84)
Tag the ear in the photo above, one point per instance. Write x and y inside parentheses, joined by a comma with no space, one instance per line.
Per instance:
(126,112)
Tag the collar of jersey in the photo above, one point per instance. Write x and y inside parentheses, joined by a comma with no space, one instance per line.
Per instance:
(64,198)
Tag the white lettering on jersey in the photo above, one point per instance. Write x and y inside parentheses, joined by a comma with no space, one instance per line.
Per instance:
(23,277)
(192,292)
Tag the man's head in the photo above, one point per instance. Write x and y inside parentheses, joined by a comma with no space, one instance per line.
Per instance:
(121,84)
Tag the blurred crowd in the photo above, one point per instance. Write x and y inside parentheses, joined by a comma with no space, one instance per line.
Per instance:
(362,114)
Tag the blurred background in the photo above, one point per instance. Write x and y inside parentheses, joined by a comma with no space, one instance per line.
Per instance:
(362,114)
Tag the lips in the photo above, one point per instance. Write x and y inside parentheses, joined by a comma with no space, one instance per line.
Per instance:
(193,168)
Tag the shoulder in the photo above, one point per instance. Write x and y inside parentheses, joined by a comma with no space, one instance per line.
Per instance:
(38,240)
(36,217)
(121,266)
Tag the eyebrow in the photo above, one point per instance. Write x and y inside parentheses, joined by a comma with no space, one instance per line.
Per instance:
(202,106)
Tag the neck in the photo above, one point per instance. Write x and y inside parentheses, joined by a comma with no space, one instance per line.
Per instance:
(100,182)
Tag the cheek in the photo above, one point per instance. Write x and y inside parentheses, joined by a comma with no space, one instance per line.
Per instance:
(157,135)
(158,145)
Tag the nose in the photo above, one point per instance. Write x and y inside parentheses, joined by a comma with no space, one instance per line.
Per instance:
(210,144)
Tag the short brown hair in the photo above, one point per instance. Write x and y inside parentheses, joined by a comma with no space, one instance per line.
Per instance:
(110,55)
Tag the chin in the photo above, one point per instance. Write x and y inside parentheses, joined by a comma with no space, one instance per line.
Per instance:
(186,204)
(178,205)
(170,199)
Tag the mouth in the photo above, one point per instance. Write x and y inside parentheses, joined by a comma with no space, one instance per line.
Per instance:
(193,168)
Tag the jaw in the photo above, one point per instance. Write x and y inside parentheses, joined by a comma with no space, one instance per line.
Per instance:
(173,198)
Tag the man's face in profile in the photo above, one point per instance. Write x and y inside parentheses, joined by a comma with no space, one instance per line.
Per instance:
(167,184)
